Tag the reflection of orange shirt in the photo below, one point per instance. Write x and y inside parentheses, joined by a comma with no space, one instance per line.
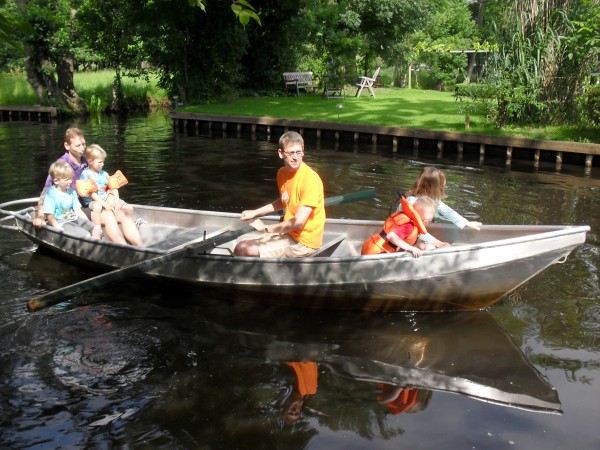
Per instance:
(306,373)
(304,188)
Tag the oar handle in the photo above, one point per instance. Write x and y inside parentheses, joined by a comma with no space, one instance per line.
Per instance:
(352,197)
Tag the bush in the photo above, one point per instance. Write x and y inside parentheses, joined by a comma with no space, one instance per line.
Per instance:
(589,103)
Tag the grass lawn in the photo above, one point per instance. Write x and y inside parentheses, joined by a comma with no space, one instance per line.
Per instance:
(409,108)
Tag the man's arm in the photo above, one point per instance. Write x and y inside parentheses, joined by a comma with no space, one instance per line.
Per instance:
(250,214)
(295,223)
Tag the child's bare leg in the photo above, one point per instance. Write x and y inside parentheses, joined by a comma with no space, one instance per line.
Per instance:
(424,246)
(128,210)
(97,232)
(96,213)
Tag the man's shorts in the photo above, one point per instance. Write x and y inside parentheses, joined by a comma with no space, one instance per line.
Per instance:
(281,246)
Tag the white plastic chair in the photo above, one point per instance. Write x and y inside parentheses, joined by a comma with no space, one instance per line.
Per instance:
(366,82)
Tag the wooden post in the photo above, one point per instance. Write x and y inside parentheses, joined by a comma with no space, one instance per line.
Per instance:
(373,143)
(460,147)
(269,132)
(536,159)
(588,164)
(355,141)
(318,137)
(559,158)
(481,153)
(440,149)
(337,140)
(509,151)
(253,131)
(467,122)
(238,130)
(395,144)
(416,146)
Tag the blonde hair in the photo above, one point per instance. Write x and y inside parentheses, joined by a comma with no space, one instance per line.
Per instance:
(71,133)
(431,183)
(60,171)
(291,137)
(93,152)
(424,204)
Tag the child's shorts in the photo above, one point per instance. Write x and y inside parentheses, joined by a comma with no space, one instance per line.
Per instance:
(109,200)
(78,225)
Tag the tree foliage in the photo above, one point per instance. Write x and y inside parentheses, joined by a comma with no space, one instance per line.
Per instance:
(547,50)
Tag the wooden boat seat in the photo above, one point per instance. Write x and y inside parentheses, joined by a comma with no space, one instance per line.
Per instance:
(181,236)
(329,246)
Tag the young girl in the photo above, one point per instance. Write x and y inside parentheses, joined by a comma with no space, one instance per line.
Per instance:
(432,183)
(105,197)
(401,229)
(61,205)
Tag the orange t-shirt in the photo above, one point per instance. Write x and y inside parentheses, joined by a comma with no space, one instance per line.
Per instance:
(306,374)
(303,188)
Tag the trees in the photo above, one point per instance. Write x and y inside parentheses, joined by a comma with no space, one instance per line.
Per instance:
(547,49)
(49,49)
(451,27)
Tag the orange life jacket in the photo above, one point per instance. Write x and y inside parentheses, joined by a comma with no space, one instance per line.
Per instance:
(117,180)
(404,401)
(378,242)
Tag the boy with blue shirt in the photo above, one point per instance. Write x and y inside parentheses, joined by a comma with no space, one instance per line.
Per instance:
(61,204)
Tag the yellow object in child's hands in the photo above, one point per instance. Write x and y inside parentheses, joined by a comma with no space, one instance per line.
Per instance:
(117,180)
(86,187)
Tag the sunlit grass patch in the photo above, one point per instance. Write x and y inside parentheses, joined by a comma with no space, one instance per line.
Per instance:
(15,90)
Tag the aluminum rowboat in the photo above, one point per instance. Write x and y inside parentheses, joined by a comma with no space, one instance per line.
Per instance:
(479,269)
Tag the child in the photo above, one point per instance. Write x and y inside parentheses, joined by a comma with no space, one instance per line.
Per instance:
(74,144)
(61,205)
(105,195)
(401,230)
(432,183)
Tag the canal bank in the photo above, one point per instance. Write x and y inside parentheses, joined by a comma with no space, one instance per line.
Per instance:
(347,136)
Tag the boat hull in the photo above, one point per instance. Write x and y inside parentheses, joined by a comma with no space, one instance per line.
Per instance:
(480,268)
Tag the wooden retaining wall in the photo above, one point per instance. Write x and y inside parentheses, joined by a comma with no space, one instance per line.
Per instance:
(32,113)
(390,136)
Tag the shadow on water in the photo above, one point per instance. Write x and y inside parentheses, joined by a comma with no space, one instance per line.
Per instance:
(153,365)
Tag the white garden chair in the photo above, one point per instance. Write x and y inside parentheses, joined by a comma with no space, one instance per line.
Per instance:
(366,82)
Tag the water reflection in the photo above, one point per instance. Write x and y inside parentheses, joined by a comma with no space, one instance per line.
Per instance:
(401,357)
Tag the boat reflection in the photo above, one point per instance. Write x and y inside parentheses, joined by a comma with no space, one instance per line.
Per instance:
(405,357)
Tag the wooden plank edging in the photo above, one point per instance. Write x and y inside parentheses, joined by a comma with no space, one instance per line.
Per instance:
(471,138)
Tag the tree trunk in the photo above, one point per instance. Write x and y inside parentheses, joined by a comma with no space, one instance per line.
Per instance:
(66,86)
(473,56)
(118,97)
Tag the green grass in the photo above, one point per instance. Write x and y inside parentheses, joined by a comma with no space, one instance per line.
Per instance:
(138,93)
(91,86)
(15,90)
(408,108)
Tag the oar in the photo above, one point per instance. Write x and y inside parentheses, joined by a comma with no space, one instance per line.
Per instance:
(352,197)
(200,245)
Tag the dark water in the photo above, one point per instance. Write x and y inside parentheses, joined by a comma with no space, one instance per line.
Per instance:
(143,365)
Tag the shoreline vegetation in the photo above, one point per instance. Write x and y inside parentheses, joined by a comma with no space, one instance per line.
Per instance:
(401,107)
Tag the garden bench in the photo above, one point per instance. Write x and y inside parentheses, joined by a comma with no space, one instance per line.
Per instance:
(299,80)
